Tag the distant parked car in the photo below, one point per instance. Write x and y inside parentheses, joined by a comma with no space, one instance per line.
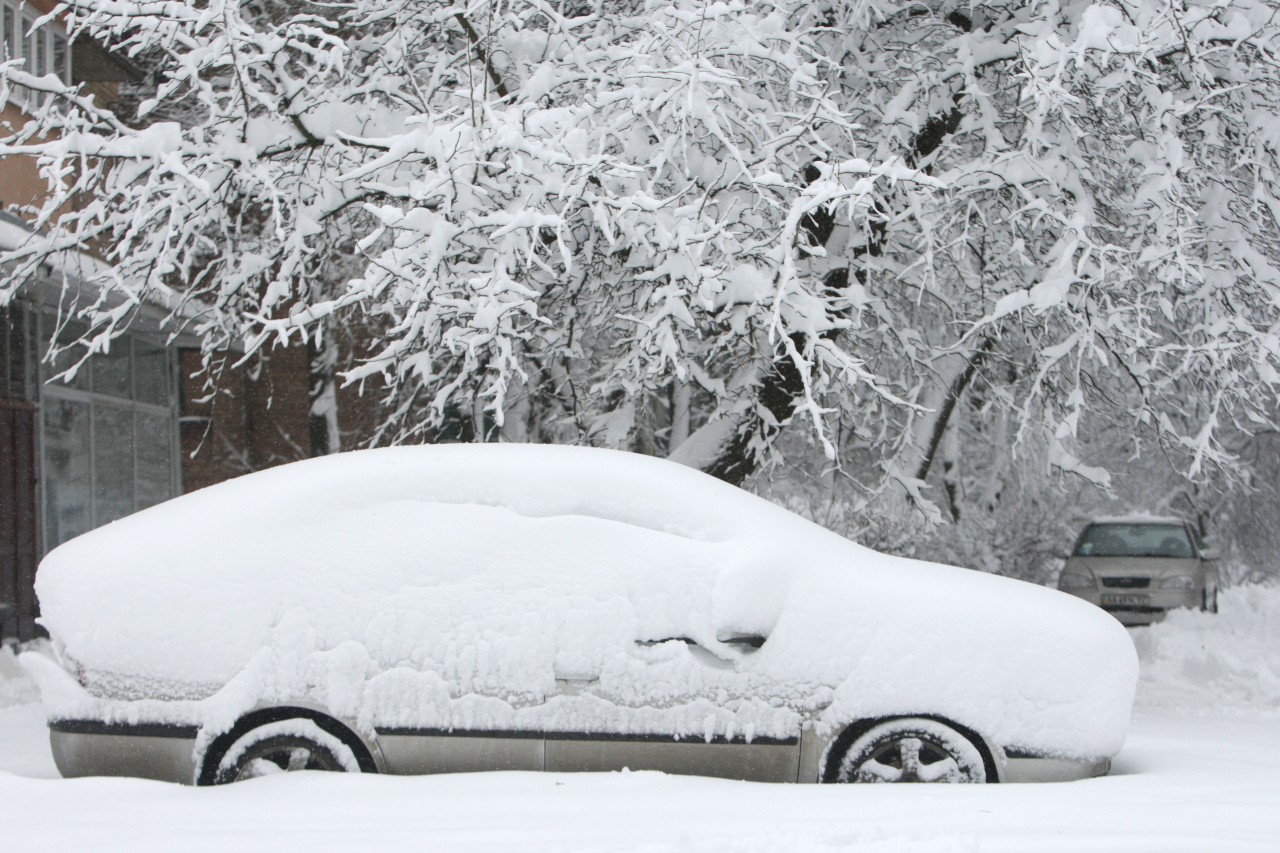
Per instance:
(1138,569)
(514,607)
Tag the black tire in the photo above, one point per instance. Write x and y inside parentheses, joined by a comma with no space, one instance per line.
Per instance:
(1209,603)
(283,746)
(912,749)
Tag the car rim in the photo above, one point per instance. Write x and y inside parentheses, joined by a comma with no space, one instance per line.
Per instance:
(910,759)
(284,756)
(912,750)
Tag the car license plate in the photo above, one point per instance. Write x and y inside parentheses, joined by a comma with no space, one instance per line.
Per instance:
(1130,600)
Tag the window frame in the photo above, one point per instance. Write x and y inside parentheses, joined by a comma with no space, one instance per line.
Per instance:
(50,389)
(40,47)
(10,34)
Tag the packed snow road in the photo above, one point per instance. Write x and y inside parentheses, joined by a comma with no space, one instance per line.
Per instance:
(1200,772)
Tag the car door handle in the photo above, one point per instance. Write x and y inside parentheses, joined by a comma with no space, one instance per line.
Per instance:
(576,679)
(745,642)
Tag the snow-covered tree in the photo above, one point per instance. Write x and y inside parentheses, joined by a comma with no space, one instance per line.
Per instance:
(685,225)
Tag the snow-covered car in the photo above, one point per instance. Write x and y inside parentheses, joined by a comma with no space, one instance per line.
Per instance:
(1138,568)
(518,607)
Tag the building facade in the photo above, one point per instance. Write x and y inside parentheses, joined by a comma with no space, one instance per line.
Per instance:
(128,429)
(125,429)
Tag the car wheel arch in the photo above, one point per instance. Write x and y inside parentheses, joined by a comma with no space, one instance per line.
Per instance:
(840,744)
(366,752)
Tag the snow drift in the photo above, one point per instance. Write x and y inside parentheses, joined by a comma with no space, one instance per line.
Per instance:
(1229,661)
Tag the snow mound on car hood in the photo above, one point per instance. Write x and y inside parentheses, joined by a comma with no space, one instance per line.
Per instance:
(465,587)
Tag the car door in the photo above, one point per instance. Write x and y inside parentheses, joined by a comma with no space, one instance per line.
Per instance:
(682,702)
(718,744)
(448,706)
(490,652)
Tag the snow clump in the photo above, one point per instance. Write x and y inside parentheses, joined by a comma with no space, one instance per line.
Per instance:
(1228,661)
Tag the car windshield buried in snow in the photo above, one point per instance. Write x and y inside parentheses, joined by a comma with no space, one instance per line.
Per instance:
(1140,568)
(518,607)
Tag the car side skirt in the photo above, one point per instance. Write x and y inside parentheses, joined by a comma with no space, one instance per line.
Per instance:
(149,751)
(436,751)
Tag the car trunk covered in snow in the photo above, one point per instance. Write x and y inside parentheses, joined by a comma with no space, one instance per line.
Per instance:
(519,588)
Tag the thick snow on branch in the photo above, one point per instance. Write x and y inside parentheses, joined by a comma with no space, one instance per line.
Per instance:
(559,212)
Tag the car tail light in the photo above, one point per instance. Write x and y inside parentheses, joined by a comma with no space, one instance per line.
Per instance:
(70,664)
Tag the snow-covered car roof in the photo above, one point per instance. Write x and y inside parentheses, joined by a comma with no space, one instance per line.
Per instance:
(1137,518)
(434,574)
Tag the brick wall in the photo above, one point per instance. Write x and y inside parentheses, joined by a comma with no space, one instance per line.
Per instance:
(258,417)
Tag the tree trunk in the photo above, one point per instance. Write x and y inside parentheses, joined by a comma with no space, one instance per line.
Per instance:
(954,393)
(681,402)
(781,386)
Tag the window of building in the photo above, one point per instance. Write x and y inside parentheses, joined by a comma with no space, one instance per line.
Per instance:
(60,56)
(9,28)
(45,49)
(108,437)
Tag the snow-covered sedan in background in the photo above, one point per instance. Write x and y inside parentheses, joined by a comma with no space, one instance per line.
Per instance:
(460,608)
(1139,568)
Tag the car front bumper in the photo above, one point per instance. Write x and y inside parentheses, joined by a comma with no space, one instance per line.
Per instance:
(90,748)
(1042,769)
(1140,607)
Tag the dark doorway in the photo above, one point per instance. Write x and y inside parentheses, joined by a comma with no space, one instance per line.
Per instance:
(18,516)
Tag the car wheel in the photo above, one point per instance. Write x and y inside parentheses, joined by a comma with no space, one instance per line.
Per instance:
(284,746)
(1209,602)
(912,749)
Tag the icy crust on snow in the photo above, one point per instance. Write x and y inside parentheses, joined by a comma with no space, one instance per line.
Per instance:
(554,589)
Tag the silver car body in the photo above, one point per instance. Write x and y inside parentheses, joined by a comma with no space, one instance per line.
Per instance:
(1140,588)
(175,754)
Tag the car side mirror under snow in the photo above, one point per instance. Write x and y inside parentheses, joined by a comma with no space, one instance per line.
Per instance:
(746,642)
(751,641)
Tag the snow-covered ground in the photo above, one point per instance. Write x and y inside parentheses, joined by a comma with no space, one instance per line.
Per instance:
(1199,772)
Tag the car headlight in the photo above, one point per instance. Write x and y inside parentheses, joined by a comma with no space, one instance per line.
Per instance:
(1177,582)
(1074,581)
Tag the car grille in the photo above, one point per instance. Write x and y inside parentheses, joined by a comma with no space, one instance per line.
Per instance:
(1127,583)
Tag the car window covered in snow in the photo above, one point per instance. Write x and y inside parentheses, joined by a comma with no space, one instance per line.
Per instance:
(1134,540)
